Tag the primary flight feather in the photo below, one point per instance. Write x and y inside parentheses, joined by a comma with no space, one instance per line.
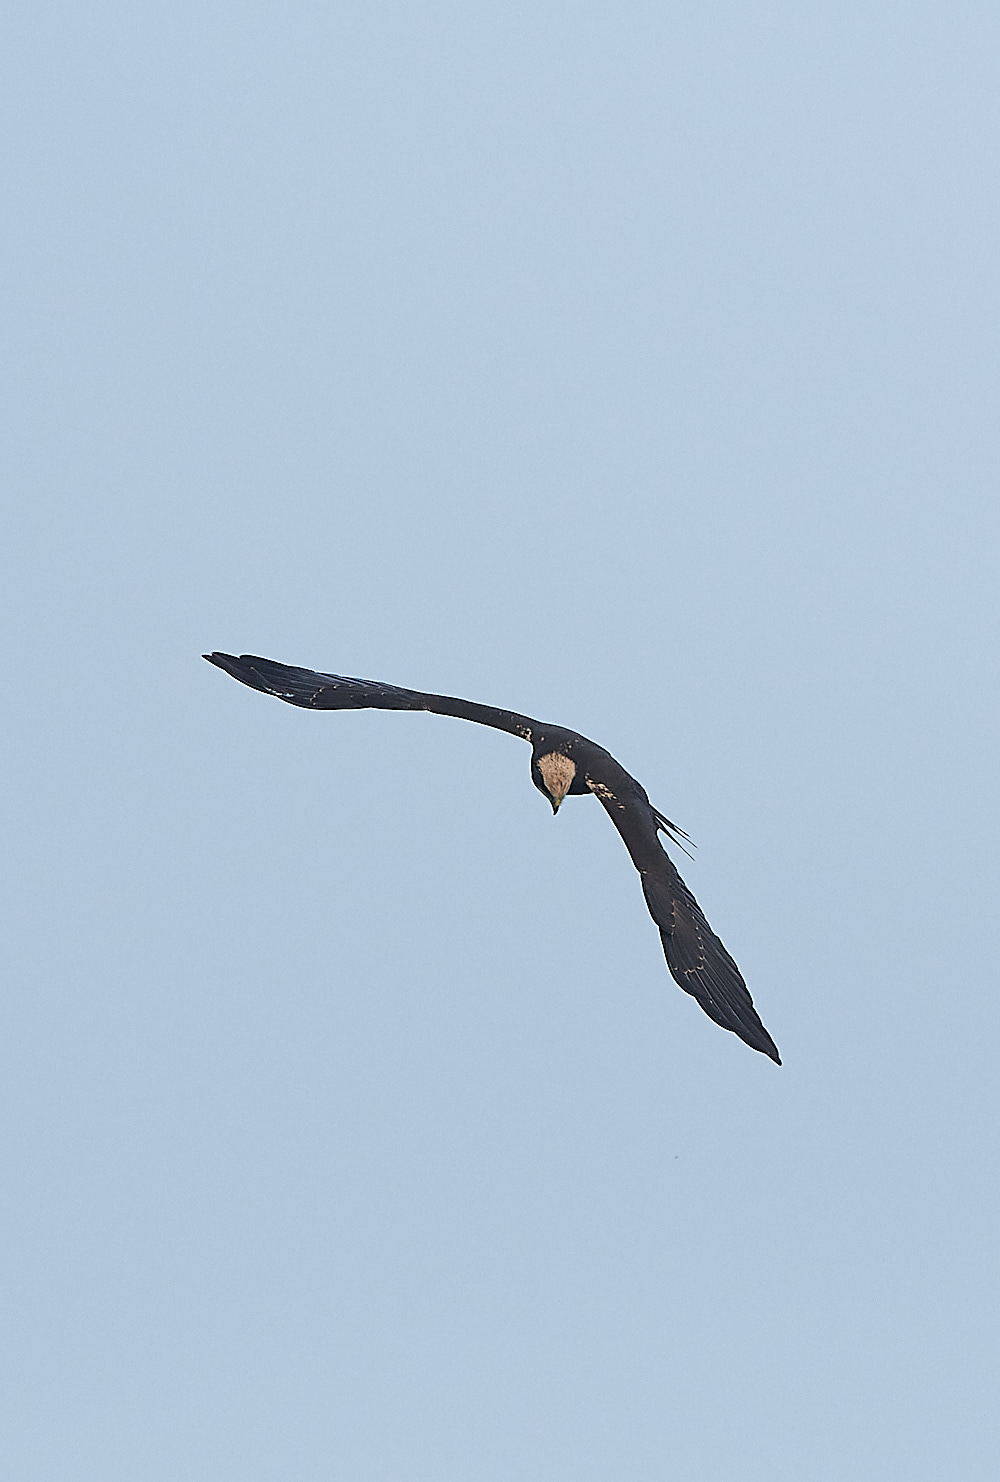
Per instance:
(562,762)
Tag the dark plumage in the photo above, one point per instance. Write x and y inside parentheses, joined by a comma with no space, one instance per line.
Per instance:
(562,762)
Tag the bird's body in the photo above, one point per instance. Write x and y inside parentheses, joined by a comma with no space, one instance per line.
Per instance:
(563,763)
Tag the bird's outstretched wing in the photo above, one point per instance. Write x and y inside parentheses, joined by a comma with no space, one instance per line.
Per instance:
(696,958)
(315,691)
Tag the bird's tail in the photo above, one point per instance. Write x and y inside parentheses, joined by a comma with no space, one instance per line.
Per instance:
(674,833)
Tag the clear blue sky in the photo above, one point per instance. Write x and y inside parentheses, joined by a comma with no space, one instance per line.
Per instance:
(634,367)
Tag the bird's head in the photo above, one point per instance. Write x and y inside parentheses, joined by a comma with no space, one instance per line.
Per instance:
(553,775)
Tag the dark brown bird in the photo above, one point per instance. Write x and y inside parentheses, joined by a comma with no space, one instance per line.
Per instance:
(562,763)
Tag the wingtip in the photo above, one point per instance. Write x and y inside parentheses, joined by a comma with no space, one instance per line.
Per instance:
(229,664)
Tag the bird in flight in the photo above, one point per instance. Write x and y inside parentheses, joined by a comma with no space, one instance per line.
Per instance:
(562,763)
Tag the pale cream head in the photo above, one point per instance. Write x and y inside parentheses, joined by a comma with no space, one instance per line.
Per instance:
(557,774)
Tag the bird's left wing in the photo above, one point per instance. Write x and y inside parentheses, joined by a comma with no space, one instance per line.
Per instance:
(315,691)
(697,960)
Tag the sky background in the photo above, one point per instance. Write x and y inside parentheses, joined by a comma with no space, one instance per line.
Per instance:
(634,367)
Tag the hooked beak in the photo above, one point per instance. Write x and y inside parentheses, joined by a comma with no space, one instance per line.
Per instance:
(555,806)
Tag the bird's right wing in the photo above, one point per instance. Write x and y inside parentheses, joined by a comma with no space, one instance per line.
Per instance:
(697,960)
(316,691)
